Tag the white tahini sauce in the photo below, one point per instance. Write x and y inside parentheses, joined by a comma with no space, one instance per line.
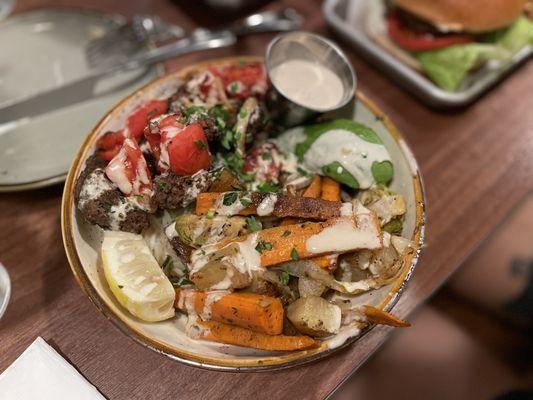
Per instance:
(245,260)
(345,333)
(308,83)
(352,152)
(266,207)
(211,298)
(346,234)
(233,209)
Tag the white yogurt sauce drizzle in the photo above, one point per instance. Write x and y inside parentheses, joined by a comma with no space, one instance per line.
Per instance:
(266,207)
(233,209)
(308,83)
(348,233)
(211,298)
(245,260)
(352,152)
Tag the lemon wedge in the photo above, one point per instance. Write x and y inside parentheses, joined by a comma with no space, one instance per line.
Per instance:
(135,278)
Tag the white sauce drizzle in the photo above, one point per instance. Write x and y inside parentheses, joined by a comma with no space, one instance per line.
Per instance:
(266,207)
(245,260)
(308,83)
(360,232)
(211,298)
(94,186)
(352,152)
(233,209)
(345,333)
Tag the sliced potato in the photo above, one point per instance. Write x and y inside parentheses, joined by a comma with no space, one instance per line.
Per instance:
(196,231)
(315,316)
(219,271)
(310,287)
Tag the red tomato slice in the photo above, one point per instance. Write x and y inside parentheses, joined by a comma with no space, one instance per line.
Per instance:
(109,144)
(244,80)
(416,41)
(128,170)
(187,150)
(138,120)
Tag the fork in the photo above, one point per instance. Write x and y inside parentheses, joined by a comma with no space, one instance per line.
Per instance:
(120,44)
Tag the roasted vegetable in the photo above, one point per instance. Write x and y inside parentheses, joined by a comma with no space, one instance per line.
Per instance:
(229,334)
(219,269)
(310,287)
(197,231)
(315,316)
(247,310)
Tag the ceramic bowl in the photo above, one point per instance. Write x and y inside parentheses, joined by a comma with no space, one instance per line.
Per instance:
(82,244)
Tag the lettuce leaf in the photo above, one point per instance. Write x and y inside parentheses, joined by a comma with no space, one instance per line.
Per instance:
(448,67)
(518,35)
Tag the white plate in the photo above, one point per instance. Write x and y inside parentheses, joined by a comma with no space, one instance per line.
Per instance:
(42,50)
(83,241)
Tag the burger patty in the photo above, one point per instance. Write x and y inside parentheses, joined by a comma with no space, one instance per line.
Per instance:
(100,202)
(172,191)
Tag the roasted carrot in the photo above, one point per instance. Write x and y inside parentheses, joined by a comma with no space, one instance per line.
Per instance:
(377,316)
(229,334)
(331,190)
(283,205)
(315,188)
(257,312)
(286,243)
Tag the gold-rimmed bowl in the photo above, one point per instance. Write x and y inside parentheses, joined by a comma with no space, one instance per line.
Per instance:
(82,243)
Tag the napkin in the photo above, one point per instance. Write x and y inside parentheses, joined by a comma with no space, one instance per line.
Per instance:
(41,373)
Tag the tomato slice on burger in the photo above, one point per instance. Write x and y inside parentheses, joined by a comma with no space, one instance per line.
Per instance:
(415,41)
(128,170)
(138,119)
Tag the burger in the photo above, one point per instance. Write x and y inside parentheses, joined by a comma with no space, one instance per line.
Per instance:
(448,39)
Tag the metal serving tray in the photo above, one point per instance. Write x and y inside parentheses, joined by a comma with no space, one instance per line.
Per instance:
(353,31)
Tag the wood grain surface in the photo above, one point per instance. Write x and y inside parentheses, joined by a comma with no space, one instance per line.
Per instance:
(477,165)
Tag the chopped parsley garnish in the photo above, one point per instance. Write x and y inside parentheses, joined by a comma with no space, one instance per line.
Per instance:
(184,281)
(189,112)
(248,176)
(262,246)
(120,286)
(210,214)
(200,144)
(233,87)
(284,278)
(245,201)
(253,224)
(229,198)
(168,263)
(227,139)
(267,187)
(286,233)
(266,156)
(303,172)
(106,207)
(243,113)
(161,185)
(294,255)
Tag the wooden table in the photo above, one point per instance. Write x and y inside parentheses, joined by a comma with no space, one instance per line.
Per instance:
(477,165)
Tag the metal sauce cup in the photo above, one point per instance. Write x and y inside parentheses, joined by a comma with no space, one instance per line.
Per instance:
(309,47)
